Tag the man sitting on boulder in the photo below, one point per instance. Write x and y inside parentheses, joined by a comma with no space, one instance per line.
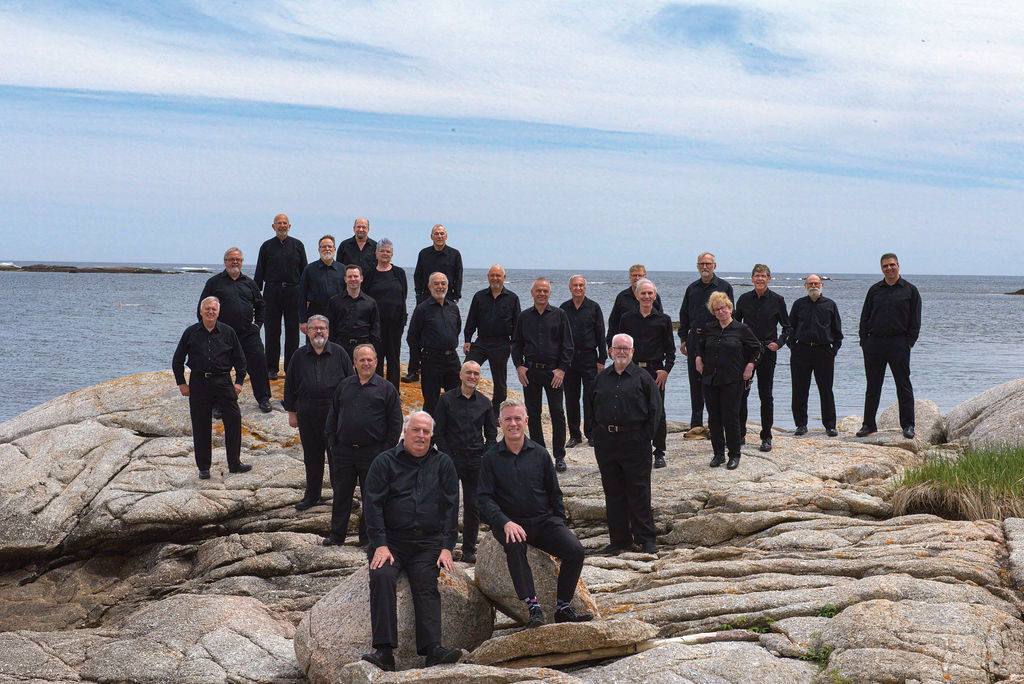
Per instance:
(412,518)
(520,498)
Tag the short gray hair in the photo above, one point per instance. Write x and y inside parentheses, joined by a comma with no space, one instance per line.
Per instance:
(628,337)
(384,243)
(421,412)
(645,281)
(511,403)
(208,299)
(232,249)
(318,317)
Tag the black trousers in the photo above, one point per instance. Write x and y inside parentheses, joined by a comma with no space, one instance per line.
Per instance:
(281,300)
(696,381)
(539,380)
(819,360)
(581,375)
(255,362)
(550,535)
(894,352)
(418,557)
(347,466)
(624,459)
(467,465)
(203,395)
(724,417)
(661,430)
(312,418)
(437,372)
(349,344)
(496,353)
(765,373)
(389,350)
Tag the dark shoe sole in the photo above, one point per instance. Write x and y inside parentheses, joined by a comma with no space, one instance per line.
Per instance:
(374,660)
(240,469)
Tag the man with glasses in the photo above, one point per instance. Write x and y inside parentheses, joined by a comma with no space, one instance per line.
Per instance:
(817,336)
(626,300)
(320,281)
(278,269)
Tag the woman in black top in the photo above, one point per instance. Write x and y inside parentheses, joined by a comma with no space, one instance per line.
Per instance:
(388,286)
(727,352)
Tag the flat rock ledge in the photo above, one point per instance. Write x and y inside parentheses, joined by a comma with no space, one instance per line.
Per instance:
(120,565)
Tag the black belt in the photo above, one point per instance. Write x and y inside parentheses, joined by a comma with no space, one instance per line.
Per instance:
(816,344)
(622,428)
(215,375)
(439,352)
(541,366)
(698,331)
(357,340)
(284,284)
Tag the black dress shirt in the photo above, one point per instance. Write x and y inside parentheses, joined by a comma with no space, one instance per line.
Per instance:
(464,424)
(626,301)
(311,379)
(389,289)
(543,338)
(208,351)
(319,282)
(492,317)
(280,262)
(587,326)
(518,487)
(364,413)
(241,304)
(433,328)
(406,497)
(349,254)
(630,400)
(816,322)
(891,311)
(693,313)
(447,261)
(764,315)
(726,352)
(652,337)
(353,318)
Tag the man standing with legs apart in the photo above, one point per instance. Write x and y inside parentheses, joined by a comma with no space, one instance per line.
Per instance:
(889,325)
(412,517)
(309,384)
(278,269)
(461,417)
(542,350)
(438,258)
(433,338)
(817,336)
(521,500)
(589,356)
(764,311)
(693,318)
(627,407)
(212,349)
(492,316)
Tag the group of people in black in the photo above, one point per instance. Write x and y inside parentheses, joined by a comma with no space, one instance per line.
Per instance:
(341,392)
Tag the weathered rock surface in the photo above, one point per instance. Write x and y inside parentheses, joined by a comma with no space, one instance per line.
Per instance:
(994,417)
(565,638)
(365,673)
(929,425)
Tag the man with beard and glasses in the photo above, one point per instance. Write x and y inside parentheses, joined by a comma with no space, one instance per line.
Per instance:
(817,336)
(309,384)
(279,266)
(320,281)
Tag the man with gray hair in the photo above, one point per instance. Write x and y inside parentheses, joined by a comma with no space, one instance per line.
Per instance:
(311,378)
(433,338)
(589,354)
(279,266)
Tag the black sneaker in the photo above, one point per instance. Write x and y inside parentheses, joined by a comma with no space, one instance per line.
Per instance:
(560,465)
(659,461)
(567,614)
(439,655)
(800,430)
(382,658)
(766,445)
(718,460)
(536,617)
(240,468)
(217,413)
(204,474)
(865,431)
(411,377)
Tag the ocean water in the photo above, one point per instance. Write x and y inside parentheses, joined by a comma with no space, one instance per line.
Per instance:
(60,332)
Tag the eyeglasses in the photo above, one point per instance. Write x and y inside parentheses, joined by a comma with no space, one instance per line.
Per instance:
(705,263)
(622,348)
(319,329)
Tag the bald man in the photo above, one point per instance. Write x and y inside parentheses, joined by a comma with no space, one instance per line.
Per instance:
(492,317)
(279,266)
(817,336)
(359,250)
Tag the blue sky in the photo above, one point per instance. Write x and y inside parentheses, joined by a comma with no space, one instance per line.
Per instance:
(809,136)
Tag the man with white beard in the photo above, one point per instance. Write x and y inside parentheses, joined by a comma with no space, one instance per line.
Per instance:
(817,336)
(310,380)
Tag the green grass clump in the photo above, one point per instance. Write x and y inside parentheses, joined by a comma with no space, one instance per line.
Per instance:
(986,482)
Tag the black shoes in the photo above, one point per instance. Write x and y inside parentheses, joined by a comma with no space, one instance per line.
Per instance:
(567,614)
(908,432)
(382,658)
(330,540)
(536,617)
(240,468)
(865,431)
(307,503)
(265,406)
(411,377)
(560,465)
(573,441)
(217,413)
(831,432)
(272,375)
(659,461)
(613,550)
(733,464)
(204,474)
(439,655)
(718,460)
(766,445)
(649,547)
(469,557)
(800,430)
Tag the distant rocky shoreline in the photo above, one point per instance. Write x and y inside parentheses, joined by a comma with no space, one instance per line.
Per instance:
(56,268)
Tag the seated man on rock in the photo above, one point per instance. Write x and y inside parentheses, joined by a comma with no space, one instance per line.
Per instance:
(412,519)
(520,498)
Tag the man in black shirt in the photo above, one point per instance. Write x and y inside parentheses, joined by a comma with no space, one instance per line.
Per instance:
(433,340)
(412,518)
(359,249)
(320,281)
(278,269)
(241,307)
(627,409)
(589,355)
(353,313)
(438,258)
(492,316)
(817,336)
(889,325)
(651,332)
(461,417)
(521,500)
(309,384)
(626,300)
(764,311)
(212,349)
(365,418)
(542,350)
(693,318)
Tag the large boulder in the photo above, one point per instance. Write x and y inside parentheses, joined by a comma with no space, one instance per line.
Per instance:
(994,417)
(564,639)
(495,582)
(929,425)
(336,631)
